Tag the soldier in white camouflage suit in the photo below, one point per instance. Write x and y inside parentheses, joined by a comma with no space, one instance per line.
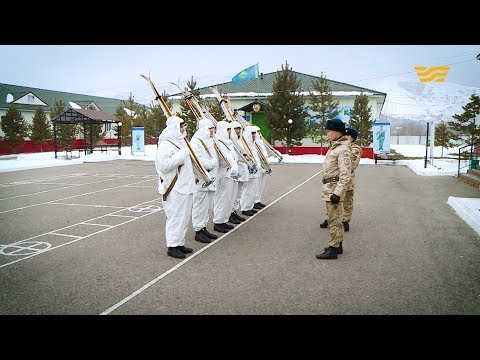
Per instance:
(356,156)
(336,176)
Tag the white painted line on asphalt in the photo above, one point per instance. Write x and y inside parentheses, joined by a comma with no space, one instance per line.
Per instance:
(56,189)
(74,196)
(127,216)
(96,224)
(67,235)
(97,206)
(62,177)
(78,238)
(161,276)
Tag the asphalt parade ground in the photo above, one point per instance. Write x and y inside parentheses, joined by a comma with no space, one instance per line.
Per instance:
(89,239)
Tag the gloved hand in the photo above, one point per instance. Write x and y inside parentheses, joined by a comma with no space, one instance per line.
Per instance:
(234,174)
(335,199)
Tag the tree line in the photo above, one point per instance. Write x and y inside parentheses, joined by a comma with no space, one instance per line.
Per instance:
(286,102)
(16,128)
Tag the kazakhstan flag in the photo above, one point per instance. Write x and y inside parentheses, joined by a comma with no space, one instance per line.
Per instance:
(247,74)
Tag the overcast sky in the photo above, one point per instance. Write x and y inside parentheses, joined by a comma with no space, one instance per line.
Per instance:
(114,70)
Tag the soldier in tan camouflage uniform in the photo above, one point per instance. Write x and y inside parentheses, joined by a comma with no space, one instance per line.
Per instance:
(356,156)
(336,176)
(348,202)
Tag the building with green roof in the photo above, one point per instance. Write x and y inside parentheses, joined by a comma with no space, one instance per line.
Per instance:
(250,97)
(28,99)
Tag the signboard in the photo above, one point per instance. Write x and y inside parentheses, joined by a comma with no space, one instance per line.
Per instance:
(381,137)
(138,139)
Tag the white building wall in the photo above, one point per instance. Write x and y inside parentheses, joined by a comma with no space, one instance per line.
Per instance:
(27,115)
(238,103)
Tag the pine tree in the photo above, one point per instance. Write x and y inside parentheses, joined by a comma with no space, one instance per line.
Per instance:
(444,137)
(185,113)
(156,119)
(286,103)
(465,124)
(215,109)
(131,115)
(41,128)
(361,120)
(65,132)
(324,105)
(14,126)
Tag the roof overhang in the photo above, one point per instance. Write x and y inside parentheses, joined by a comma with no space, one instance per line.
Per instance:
(81,116)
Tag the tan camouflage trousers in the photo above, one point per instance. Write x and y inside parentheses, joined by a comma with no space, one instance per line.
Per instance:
(348,206)
(335,217)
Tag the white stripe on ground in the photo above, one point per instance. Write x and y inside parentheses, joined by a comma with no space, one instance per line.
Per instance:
(55,189)
(79,238)
(74,196)
(183,262)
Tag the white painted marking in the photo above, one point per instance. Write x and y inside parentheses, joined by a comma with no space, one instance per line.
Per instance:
(96,206)
(67,235)
(56,189)
(71,197)
(192,256)
(31,248)
(96,224)
(131,218)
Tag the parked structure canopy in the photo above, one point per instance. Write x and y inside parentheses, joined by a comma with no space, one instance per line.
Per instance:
(84,117)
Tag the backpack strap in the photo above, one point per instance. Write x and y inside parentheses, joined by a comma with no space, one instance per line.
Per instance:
(205,146)
(172,184)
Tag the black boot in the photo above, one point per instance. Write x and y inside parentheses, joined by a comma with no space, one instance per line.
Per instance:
(257,206)
(201,237)
(330,253)
(220,228)
(346,226)
(324,224)
(184,249)
(209,235)
(227,226)
(339,249)
(176,252)
(232,220)
(236,216)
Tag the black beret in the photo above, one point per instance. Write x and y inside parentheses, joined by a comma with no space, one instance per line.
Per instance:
(352,132)
(335,125)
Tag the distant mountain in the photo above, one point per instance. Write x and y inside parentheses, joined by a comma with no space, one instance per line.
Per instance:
(410,104)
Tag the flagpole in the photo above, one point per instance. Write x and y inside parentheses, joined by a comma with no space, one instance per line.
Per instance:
(258,83)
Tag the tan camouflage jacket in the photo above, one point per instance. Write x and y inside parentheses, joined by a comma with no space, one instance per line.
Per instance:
(337,163)
(356,156)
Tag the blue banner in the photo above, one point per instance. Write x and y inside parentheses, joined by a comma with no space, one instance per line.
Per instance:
(247,74)
(138,139)
(381,137)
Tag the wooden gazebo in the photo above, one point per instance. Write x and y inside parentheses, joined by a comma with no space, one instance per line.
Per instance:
(86,116)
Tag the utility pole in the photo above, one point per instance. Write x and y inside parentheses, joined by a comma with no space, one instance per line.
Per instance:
(289,135)
(432,142)
(426,147)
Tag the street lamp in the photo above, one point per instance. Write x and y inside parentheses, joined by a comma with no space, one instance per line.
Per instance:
(289,135)
(119,138)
